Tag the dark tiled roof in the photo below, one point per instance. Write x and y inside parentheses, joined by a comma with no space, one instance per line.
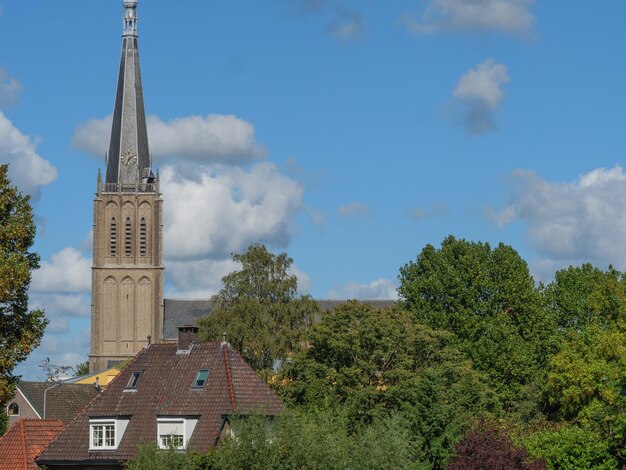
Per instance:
(63,401)
(182,312)
(186,312)
(25,440)
(165,389)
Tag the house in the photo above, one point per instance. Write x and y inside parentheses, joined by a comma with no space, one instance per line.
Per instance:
(49,400)
(25,440)
(179,395)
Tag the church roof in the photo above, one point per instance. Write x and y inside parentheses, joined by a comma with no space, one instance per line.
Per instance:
(165,388)
(25,440)
(186,312)
(128,160)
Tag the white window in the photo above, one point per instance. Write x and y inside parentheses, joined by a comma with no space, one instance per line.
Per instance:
(106,434)
(13,409)
(174,432)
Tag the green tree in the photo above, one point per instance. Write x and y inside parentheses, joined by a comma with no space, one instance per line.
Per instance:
(587,383)
(369,363)
(570,448)
(4,421)
(259,309)
(585,295)
(20,329)
(149,457)
(296,440)
(81,369)
(488,299)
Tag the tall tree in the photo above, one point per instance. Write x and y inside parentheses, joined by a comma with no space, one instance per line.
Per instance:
(259,309)
(20,329)
(488,299)
(584,295)
(370,362)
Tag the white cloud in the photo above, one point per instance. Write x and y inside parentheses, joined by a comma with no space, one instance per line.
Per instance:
(61,305)
(583,220)
(422,213)
(383,289)
(213,139)
(343,21)
(355,209)
(27,169)
(478,96)
(304,280)
(224,209)
(197,279)
(68,271)
(62,347)
(347,25)
(10,88)
(505,16)
(61,309)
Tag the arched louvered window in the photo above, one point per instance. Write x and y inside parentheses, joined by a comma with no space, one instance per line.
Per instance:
(128,238)
(143,234)
(113,239)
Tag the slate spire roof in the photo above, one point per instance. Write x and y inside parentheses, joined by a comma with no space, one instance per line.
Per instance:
(166,389)
(128,160)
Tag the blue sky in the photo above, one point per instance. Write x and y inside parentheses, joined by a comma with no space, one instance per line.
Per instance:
(347,133)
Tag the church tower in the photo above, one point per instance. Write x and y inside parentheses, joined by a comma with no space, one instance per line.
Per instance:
(127,273)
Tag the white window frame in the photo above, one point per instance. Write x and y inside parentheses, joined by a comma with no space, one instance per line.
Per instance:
(19,409)
(187,424)
(119,426)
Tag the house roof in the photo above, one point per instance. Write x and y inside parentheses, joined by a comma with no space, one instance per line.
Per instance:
(63,401)
(182,312)
(165,389)
(25,440)
(186,312)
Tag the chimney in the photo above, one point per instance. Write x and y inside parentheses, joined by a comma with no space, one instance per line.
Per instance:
(187,335)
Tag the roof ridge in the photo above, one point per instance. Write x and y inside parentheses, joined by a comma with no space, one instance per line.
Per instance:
(231,389)
(23,446)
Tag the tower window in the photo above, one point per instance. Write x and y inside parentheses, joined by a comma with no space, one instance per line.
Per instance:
(113,241)
(128,238)
(143,233)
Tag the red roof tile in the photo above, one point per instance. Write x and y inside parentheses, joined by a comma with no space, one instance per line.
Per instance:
(25,440)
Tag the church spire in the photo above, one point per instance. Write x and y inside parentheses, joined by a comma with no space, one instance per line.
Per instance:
(128,162)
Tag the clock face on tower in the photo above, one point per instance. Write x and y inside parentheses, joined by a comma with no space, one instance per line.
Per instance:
(129,157)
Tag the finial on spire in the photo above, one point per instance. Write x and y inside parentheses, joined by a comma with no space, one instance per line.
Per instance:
(130,18)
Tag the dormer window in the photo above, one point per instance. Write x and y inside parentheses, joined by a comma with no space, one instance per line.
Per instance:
(133,381)
(201,377)
(106,433)
(174,432)
(13,409)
